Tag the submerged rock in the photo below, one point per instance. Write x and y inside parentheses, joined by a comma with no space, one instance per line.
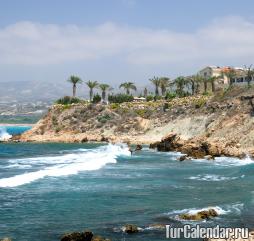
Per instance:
(201,215)
(182,158)
(99,238)
(138,148)
(77,236)
(130,228)
(157,226)
(81,236)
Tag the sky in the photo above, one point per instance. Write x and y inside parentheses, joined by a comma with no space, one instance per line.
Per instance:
(114,41)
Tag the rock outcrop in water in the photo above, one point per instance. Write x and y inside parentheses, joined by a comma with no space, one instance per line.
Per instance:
(218,125)
(130,228)
(82,236)
(201,215)
(197,147)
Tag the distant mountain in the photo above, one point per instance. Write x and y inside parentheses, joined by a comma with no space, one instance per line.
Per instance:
(33,91)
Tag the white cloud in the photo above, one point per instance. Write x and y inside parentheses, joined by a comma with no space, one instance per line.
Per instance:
(29,43)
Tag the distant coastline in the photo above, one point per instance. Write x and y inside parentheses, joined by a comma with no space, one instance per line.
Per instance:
(10,124)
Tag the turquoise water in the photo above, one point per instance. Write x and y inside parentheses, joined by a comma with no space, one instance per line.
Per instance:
(49,189)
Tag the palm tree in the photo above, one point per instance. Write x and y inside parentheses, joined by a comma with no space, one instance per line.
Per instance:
(249,73)
(74,80)
(156,82)
(145,92)
(212,80)
(104,88)
(194,82)
(230,74)
(180,83)
(91,85)
(164,83)
(128,86)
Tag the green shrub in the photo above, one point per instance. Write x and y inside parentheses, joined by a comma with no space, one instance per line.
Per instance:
(170,96)
(120,98)
(199,102)
(150,98)
(158,97)
(96,98)
(104,118)
(67,100)
(114,106)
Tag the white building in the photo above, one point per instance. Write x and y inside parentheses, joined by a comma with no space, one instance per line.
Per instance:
(211,71)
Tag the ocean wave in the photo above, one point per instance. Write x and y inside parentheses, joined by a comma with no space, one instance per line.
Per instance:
(4,135)
(65,165)
(214,178)
(228,161)
(235,208)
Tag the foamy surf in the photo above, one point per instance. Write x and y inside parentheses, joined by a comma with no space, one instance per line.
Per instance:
(4,135)
(64,165)
(213,178)
(228,161)
(235,208)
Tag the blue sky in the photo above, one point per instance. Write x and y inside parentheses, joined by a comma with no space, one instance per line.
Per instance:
(121,40)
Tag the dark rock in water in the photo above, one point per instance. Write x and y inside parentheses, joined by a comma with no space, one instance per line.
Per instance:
(130,228)
(205,214)
(99,238)
(77,236)
(182,158)
(138,148)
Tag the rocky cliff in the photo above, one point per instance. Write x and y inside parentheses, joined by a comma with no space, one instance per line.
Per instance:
(225,118)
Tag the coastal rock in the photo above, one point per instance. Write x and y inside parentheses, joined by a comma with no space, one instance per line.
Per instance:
(5,239)
(182,158)
(99,238)
(138,148)
(130,228)
(201,215)
(77,236)
(209,157)
(157,226)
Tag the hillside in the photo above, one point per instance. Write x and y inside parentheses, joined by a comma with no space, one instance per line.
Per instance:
(225,118)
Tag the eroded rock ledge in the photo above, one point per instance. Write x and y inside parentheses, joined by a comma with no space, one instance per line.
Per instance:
(198,147)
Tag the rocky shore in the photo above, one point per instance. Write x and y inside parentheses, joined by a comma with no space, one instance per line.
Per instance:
(198,126)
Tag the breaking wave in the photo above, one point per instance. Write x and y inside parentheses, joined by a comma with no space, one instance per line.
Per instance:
(213,178)
(235,208)
(69,164)
(4,135)
(228,161)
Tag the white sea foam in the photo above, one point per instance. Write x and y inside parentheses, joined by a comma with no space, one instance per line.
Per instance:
(235,208)
(193,211)
(228,161)
(69,164)
(214,178)
(4,135)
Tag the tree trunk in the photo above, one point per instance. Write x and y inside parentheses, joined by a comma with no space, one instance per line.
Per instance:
(193,87)
(205,86)
(127,92)
(103,95)
(91,94)
(156,90)
(74,90)
(145,92)
(213,86)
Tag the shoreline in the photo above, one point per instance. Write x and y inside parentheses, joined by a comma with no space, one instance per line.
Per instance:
(9,124)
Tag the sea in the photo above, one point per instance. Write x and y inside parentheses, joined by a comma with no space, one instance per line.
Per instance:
(49,189)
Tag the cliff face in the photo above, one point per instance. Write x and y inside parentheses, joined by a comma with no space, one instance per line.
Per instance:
(226,118)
